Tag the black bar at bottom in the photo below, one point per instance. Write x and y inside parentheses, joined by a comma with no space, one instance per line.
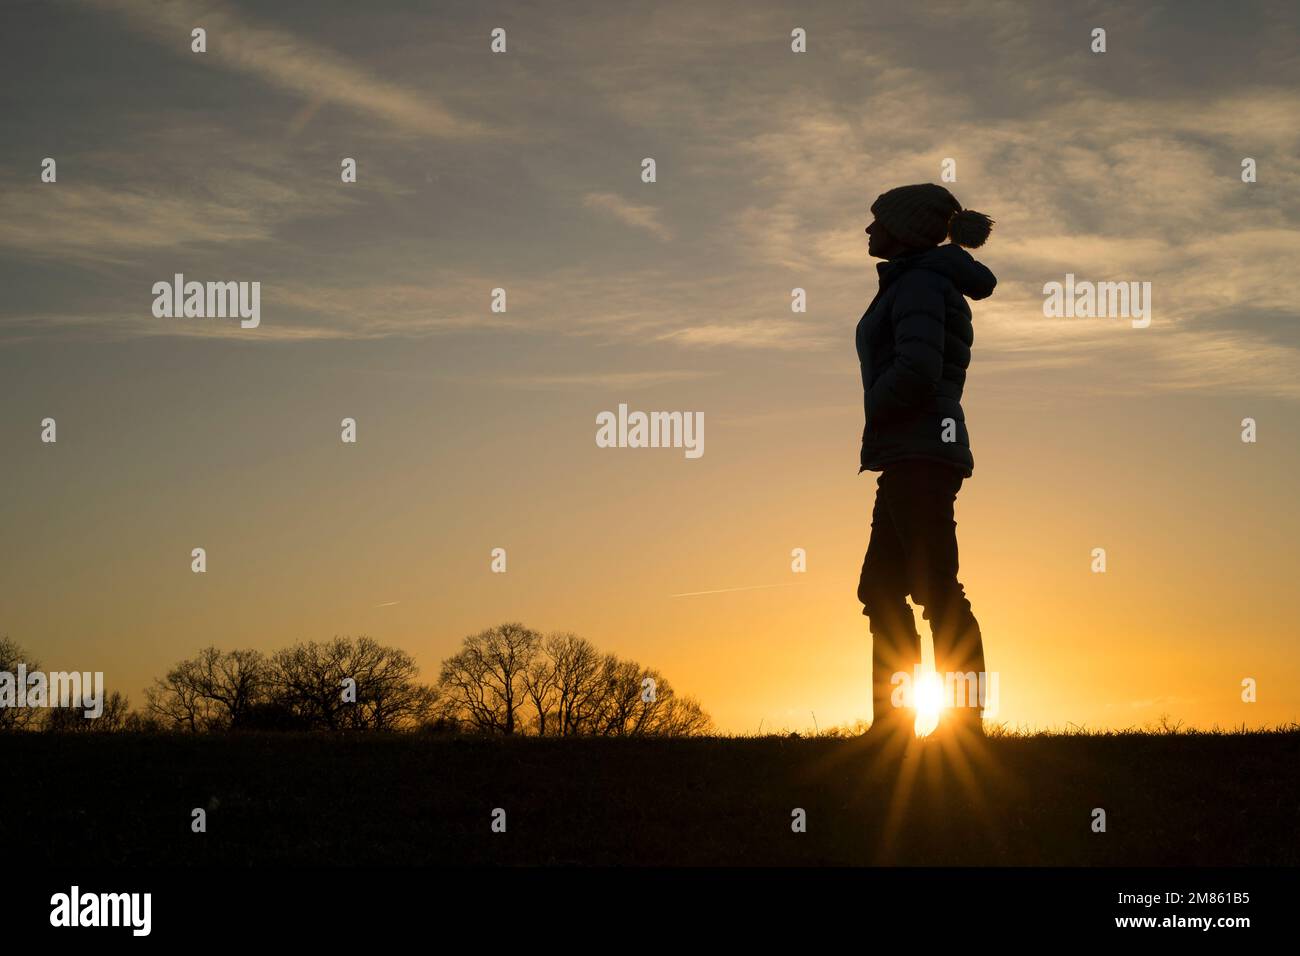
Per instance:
(367,905)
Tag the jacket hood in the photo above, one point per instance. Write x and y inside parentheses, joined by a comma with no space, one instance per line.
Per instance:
(970,276)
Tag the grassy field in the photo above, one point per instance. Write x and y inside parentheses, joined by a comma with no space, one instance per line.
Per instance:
(1170,799)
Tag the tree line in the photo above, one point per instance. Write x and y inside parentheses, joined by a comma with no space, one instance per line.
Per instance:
(506,680)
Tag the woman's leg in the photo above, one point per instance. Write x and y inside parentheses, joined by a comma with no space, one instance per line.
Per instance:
(882,589)
(923,495)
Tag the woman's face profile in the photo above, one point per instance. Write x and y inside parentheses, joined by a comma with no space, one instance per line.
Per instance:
(879,242)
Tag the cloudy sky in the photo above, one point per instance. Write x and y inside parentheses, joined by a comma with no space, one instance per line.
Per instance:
(476,429)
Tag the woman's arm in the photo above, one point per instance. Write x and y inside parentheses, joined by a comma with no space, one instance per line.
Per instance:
(918,320)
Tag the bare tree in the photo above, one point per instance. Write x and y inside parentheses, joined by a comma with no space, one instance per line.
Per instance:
(576,667)
(388,696)
(175,700)
(235,680)
(487,679)
(540,688)
(141,723)
(11,655)
(684,717)
(350,684)
(639,702)
(74,720)
(565,683)
(618,710)
(213,691)
(502,680)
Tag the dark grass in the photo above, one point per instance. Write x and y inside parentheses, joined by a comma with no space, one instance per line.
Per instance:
(1170,799)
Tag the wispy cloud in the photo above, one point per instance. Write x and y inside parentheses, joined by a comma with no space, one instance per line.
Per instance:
(102,210)
(626,381)
(631,214)
(85,221)
(292,63)
(756,333)
(1082,176)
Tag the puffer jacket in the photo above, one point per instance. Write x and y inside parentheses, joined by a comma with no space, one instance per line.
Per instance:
(914,345)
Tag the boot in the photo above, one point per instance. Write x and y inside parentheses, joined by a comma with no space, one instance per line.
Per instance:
(891,726)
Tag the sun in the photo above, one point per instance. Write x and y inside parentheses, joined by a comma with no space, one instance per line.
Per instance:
(928,696)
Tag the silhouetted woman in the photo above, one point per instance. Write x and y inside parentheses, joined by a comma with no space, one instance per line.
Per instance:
(914,346)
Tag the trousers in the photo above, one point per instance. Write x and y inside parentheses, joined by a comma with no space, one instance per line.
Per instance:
(913,552)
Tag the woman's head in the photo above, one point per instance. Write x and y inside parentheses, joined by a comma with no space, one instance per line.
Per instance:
(913,218)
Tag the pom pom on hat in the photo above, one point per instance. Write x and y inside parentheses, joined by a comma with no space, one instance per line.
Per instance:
(969,228)
(925,214)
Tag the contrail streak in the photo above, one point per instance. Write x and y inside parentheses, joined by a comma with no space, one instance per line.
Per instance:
(752,587)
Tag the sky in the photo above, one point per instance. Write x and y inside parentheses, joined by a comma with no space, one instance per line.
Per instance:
(476,429)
